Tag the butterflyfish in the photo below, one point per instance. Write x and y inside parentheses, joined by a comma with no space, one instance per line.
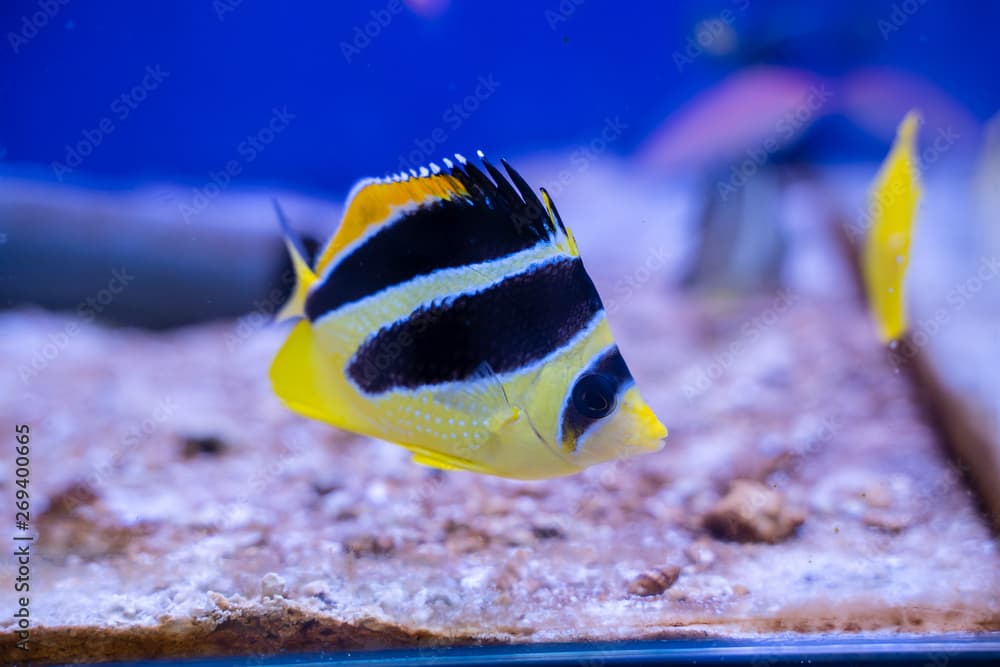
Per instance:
(892,210)
(450,313)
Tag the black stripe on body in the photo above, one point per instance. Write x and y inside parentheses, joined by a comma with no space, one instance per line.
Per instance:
(509,325)
(491,222)
(611,365)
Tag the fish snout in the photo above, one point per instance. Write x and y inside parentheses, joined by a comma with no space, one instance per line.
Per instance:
(649,430)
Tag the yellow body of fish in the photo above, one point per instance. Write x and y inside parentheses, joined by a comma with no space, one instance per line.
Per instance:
(892,210)
(451,314)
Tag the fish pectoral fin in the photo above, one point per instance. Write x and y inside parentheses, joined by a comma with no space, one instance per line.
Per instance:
(483,393)
(534,428)
(500,419)
(482,389)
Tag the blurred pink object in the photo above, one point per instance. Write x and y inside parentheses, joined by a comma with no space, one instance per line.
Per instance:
(762,108)
(876,98)
(427,8)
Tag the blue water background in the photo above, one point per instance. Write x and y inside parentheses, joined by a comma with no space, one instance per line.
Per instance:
(370,85)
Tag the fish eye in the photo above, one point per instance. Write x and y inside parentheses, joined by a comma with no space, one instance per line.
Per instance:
(594,395)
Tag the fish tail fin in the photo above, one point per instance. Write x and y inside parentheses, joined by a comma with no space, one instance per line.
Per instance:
(892,210)
(304,276)
(302,377)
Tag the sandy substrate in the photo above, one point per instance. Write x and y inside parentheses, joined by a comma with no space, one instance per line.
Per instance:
(182,511)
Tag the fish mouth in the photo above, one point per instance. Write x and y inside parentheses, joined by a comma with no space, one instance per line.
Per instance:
(649,429)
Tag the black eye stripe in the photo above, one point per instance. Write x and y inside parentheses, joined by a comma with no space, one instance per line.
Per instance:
(613,376)
(594,395)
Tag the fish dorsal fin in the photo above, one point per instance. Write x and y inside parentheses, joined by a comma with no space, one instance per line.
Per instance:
(553,214)
(527,213)
(376,202)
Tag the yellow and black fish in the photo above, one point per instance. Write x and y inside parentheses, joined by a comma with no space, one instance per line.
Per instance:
(451,314)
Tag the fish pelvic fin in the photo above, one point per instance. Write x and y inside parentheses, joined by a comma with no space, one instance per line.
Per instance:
(295,307)
(892,210)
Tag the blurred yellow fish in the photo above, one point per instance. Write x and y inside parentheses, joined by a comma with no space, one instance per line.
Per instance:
(892,211)
(451,314)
